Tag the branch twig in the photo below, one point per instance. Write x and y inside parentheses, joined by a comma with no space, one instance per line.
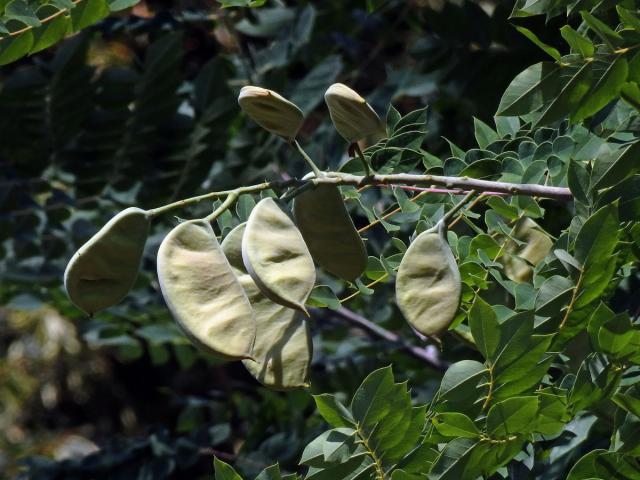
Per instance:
(430,356)
(337,178)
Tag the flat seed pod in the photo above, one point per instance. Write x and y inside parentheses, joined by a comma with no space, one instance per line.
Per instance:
(352,116)
(271,111)
(329,232)
(203,294)
(283,347)
(104,269)
(428,284)
(276,257)
(519,260)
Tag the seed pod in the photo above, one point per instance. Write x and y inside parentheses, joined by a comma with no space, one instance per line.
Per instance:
(276,257)
(520,259)
(104,269)
(283,347)
(329,232)
(352,116)
(428,284)
(271,111)
(203,294)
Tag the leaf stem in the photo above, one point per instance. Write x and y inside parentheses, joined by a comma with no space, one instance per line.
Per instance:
(314,168)
(224,206)
(365,165)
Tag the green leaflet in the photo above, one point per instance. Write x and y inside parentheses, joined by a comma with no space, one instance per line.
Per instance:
(202,292)
(519,259)
(103,270)
(352,116)
(428,284)
(329,232)
(276,257)
(283,348)
(271,111)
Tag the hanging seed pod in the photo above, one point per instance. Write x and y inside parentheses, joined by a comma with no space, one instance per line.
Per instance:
(428,283)
(283,347)
(352,116)
(104,269)
(276,257)
(519,260)
(329,232)
(203,294)
(271,111)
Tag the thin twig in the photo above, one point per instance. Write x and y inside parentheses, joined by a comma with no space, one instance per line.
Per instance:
(428,355)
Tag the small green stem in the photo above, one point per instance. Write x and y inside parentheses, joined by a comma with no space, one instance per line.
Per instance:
(367,170)
(224,206)
(314,168)
(456,208)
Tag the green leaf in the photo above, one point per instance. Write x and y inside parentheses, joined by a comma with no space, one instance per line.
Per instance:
(598,236)
(551,51)
(604,465)
(630,93)
(393,117)
(507,125)
(484,133)
(15,47)
(594,382)
(87,13)
(628,17)
(530,89)
(453,460)
(51,32)
(552,413)
(569,97)
(20,11)
(270,473)
(385,416)
(334,412)
(579,180)
(224,471)
(578,42)
(606,89)
(608,36)
(623,166)
(453,424)
(513,416)
(629,403)
(117,5)
(322,296)
(484,328)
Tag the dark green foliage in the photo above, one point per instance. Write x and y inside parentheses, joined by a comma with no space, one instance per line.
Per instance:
(538,378)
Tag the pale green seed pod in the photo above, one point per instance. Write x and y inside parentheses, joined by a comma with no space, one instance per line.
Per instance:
(428,284)
(276,257)
(519,260)
(203,294)
(271,111)
(283,346)
(329,232)
(104,269)
(352,116)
